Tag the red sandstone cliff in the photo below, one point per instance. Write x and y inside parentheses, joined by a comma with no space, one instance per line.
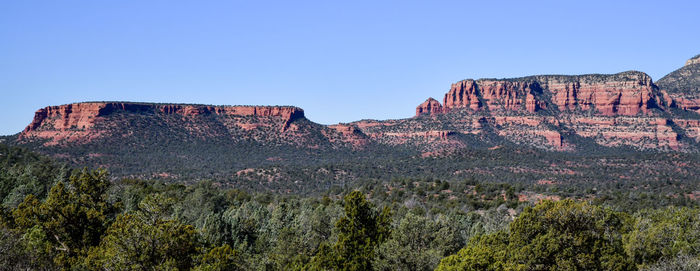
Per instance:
(462,94)
(429,107)
(543,111)
(496,94)
(614,110)
(74,121)
(627,93)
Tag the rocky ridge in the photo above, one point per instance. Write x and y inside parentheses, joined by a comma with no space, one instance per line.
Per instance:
(624,109)
(76,122)
(693,61)
(682,86)
(551,112)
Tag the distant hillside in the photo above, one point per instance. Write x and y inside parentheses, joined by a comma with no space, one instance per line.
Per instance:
(684,84)
(580,115)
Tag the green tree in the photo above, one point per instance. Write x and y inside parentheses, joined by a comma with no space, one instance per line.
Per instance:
(417,243)
(568,235)
(73,216)
(360,231)
(222,258)
(564,235)
(664,234)
(483,253)
(147,239)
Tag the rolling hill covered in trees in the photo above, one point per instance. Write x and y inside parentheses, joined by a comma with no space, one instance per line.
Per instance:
(53,217)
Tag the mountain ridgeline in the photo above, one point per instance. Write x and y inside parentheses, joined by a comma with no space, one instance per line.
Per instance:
(573,117)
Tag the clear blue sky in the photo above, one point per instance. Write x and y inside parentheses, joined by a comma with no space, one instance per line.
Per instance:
(339,61)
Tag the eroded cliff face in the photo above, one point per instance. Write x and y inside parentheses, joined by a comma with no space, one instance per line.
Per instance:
(429,107)
(497,95)
(628,93)
(76,122)
(554,112)
(624,109)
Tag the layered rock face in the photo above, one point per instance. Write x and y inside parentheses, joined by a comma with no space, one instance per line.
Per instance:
(614,110)
(348,134)
(554,112)
(627,93)
(84,115)
(496,95)
(81,123)
(75,122)
(463,94)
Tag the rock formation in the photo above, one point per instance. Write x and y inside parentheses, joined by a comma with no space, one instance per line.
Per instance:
(462,94)
(627,93)
(553,112)
(75,122)
(614,110)
(429,107)
(693,61)
(80,116)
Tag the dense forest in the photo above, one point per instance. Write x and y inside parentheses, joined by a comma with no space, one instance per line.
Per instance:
(54,217)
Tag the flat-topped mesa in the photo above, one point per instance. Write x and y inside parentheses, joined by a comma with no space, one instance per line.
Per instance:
(626,93)
(83,115)
(429,107)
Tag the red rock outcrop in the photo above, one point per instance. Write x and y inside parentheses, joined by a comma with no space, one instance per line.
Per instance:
(429,107)
(63,117)
(615,110)
(497,95)
(642,132)
(687,104)
(74,121)
(462,94)
(510,95)
(690,126)
(348,133)
(548,111)
(627,93)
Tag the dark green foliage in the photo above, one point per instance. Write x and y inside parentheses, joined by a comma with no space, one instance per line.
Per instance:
(221,258)
(86,222)
(567,235)
(484,252)
(663,233)
(360,231)
(23,173)
(684,81)
(563,235)
(72,218)
(418,243)
(148,240)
